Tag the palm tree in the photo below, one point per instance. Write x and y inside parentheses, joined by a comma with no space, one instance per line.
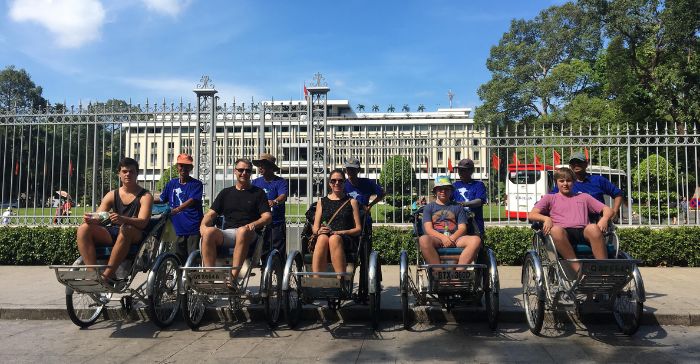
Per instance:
(375,108)
(391,108)
(360,107)
(405,108)
(421,108)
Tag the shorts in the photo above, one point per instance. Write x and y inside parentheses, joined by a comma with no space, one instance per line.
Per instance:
(186,244)
(230,238)
(575,236)
(113,231)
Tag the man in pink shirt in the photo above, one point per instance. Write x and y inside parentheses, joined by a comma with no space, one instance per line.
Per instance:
(565,218)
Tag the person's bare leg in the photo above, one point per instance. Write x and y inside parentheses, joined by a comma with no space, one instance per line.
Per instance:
(561,242)
(127,235)
(87,237)
(244,238)
(335,243)
(320,258)
(212,237)
(471,245)
(595,237)
(427,248)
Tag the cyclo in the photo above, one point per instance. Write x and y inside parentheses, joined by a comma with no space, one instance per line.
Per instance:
(88,294)
(202,286)
(300,285)
(613,284)
(450,284)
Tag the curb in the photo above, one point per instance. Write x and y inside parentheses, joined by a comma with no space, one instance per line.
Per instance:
(354,313)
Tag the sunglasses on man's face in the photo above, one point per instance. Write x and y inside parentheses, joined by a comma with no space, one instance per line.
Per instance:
(336,181)
(244,170)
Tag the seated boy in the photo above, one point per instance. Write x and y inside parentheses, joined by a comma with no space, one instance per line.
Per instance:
(130,207)
(445,226)
(565,218)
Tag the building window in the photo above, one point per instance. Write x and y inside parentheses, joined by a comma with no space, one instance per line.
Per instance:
(171,152)
(439,156)
(154,153)
(137,151)
(458,156)
(475,141)
(476,155)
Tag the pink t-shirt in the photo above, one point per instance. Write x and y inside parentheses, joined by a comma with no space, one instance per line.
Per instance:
(569,211)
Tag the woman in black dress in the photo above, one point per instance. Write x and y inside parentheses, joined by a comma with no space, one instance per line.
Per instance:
(338,234)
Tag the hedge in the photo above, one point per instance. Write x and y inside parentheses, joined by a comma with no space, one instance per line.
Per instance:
(672,246)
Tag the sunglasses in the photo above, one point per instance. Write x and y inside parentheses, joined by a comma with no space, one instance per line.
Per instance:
(334,181)
(244,170)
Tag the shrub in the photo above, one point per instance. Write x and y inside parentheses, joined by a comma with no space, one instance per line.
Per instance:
(37,245)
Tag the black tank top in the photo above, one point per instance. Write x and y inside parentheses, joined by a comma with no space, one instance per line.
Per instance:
(344,219)
(130,210)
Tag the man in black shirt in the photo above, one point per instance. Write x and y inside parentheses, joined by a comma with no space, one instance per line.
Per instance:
(245,210)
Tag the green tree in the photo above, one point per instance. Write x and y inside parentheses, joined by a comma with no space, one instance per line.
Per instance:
(656,172)
(391,108)
(18,91)
(405,108)
(539,65)
(165,177)
(375,108)
(397,175)
(421,108)
(360,107)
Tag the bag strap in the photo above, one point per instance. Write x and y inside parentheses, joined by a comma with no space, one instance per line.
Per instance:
(337,211)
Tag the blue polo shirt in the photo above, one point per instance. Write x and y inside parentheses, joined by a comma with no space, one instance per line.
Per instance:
(467,191)
(273,189)
(175,194)
(362,191)
(596,186)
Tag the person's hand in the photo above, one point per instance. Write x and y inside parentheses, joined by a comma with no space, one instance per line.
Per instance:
(175,211)
(325,230)
(87,218)
(250,226)
(446,241)
(271,203)
(547,225)
(116,219)
(602,225)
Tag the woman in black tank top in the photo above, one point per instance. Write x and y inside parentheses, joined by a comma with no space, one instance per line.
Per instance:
(337,224)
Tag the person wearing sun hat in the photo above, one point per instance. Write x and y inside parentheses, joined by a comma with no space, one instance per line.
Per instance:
(184,196)
(276,189)
(445,226)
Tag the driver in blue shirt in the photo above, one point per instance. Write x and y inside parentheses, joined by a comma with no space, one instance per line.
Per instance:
(470,193)
(594,185)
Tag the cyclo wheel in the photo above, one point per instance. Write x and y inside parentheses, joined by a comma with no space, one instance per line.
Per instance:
(291,297)
(273,290)
(84,308)
(164,300)
(375,299)
(492,285)
(192,303)
(404,286)
(533,295)
(627,308)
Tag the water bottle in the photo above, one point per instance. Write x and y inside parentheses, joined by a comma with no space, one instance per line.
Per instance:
(445,231)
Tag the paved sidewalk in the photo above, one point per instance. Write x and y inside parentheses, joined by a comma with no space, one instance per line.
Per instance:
(32,292)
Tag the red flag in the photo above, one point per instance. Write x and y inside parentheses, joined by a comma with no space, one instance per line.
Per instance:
(306,92)
(495,161)
(16,168)
(585,151)
(515,158)
(537,159)
(70,168)
(557,157)
(449,165)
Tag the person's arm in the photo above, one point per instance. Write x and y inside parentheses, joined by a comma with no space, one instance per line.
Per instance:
(462,221)
(105,206)
(263,209)
(208,219)
(316,230)
(265,218)
(357,229)
(183,206)
(379,195)
(282,193)
(537,215)
(616,205)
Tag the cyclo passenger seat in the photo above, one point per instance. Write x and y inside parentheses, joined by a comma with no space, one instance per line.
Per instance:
(158,212)
(582,251)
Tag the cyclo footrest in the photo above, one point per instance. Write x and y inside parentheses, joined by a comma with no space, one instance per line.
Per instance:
(81,279)
(213,280)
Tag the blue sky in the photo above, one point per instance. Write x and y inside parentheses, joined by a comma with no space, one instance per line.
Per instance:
(370,52)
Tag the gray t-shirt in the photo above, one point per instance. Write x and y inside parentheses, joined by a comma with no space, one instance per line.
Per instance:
(444,216)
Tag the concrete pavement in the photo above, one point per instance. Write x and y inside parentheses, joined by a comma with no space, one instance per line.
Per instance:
(32,292)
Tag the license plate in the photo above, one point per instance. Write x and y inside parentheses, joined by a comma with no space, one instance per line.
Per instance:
(207,276)
(607,268)
(445,275)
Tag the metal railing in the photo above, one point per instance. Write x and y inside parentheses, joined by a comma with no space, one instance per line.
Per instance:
(60,163)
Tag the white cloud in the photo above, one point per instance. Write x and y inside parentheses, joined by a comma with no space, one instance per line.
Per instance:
(167,7)
(72,22)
